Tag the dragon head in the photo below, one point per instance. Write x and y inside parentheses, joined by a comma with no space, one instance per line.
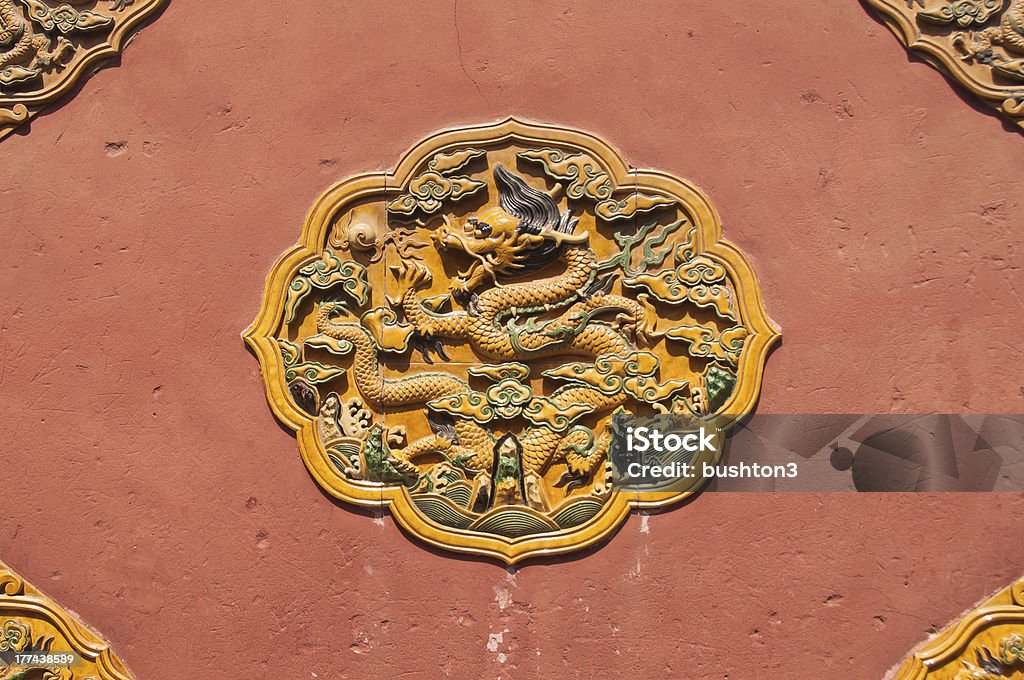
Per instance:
(525,232)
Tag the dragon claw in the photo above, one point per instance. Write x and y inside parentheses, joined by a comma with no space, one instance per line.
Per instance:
(572,480)
(411,276)
(426,345)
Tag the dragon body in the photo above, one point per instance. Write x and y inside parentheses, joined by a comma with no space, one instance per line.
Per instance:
(468,441)
(15,36)
(569,314)
(573,332)
(542,446)
(1008,34)
(489,329)
(24,54)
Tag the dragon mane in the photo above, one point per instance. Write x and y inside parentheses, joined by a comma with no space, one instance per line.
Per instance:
(537,213)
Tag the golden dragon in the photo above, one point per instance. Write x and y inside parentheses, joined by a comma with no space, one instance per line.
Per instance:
(980,45)
(523,235)
(24,54)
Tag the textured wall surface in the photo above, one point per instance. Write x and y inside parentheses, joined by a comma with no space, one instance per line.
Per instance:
(148,487)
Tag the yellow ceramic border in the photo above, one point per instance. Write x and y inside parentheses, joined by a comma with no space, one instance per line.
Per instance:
(938,54)
(22,600)
(260,335)
(957,642)
(16,109)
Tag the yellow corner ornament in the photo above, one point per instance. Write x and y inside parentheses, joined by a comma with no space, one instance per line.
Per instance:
(47,47)
(452,339)
(40,639)
(977,43)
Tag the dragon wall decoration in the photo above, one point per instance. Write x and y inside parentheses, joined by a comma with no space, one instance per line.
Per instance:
(39,640)
(987,643)
(978,43)
(47,47)
(452,339)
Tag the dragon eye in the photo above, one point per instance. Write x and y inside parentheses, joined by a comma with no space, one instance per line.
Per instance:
(483,228)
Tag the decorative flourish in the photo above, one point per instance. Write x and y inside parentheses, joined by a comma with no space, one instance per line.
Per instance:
(978,43)
(632,374)
(585,176)
(39,639)
(343,419)
(512,370)
(963,12)
(630,205)
(324,274)
(705,342)
(557,415)
(429,190)
(15,636)
(343,426)
(45,48)
(300,375)
(587,180)
(509,398)
(698,280)
(310,371)
(450,162)
(1012,649)
(543,309)
(65,18)
(470,404)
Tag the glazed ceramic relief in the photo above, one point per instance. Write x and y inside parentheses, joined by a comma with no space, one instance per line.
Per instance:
(979,43)
(986,644)
(39,640)
(452,339)
(46,48)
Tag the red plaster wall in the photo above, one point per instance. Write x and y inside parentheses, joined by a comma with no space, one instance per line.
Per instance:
(148,487)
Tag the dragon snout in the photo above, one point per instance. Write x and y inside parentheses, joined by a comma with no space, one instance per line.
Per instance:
(442,236)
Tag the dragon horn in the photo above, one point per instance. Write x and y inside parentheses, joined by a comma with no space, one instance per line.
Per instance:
(561,238)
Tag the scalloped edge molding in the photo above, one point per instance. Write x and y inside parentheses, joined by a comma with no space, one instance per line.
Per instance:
(1007,101)
(20,600)
(18,109)
(946,654)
